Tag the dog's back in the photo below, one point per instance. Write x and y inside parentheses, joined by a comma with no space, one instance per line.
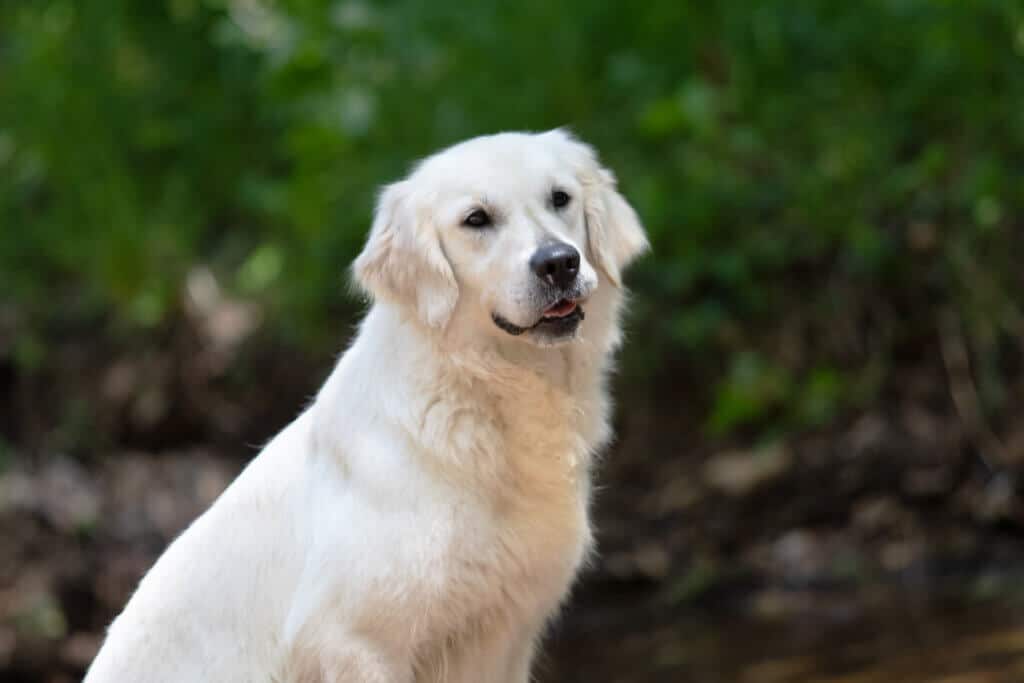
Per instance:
(209,609)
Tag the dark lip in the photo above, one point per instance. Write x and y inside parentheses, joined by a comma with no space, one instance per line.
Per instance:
(551,326)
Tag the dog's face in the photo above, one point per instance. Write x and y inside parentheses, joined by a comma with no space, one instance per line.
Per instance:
(513,232)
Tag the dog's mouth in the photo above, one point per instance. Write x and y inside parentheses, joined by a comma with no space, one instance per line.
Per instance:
(559,319)
(559,310)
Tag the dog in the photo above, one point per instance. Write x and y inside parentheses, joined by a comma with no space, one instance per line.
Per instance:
(424,518)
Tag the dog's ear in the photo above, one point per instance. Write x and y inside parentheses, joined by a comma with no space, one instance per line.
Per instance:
(614,234)
(403,261)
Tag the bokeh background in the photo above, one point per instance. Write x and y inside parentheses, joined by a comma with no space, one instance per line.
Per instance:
(820,402)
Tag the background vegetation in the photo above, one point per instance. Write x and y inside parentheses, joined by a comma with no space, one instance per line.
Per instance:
(834,192)
(819,169)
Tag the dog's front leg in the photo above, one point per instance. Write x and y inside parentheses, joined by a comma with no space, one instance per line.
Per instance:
(337,657)
(521,658)
(504,657)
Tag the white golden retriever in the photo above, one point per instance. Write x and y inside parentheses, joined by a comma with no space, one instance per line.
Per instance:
(424,518)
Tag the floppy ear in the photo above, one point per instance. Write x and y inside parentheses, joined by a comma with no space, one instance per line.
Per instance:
(614,234)
(403,261)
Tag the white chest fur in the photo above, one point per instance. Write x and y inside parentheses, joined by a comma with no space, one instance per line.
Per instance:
(469,486)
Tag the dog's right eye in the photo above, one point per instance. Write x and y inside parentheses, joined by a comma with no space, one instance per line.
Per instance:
(477,219)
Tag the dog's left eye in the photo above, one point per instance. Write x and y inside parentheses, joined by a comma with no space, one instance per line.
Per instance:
(560,199)
(477,219)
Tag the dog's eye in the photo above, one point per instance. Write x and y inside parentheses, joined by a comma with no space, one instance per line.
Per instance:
(477,219)
(559,199)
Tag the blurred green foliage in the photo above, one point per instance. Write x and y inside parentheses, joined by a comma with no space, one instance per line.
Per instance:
(820,179)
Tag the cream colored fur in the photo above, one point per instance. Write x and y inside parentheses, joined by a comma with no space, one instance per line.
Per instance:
(423,519)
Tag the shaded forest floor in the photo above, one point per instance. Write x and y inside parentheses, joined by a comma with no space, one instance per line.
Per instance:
(890,535)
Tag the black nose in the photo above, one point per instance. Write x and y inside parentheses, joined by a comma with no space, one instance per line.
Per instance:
(556,263)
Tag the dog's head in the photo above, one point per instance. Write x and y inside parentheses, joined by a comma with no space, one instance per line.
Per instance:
(513,231)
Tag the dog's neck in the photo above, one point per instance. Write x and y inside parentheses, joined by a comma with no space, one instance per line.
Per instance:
(537,398)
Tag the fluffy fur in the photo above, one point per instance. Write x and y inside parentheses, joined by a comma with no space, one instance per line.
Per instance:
(422,520)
